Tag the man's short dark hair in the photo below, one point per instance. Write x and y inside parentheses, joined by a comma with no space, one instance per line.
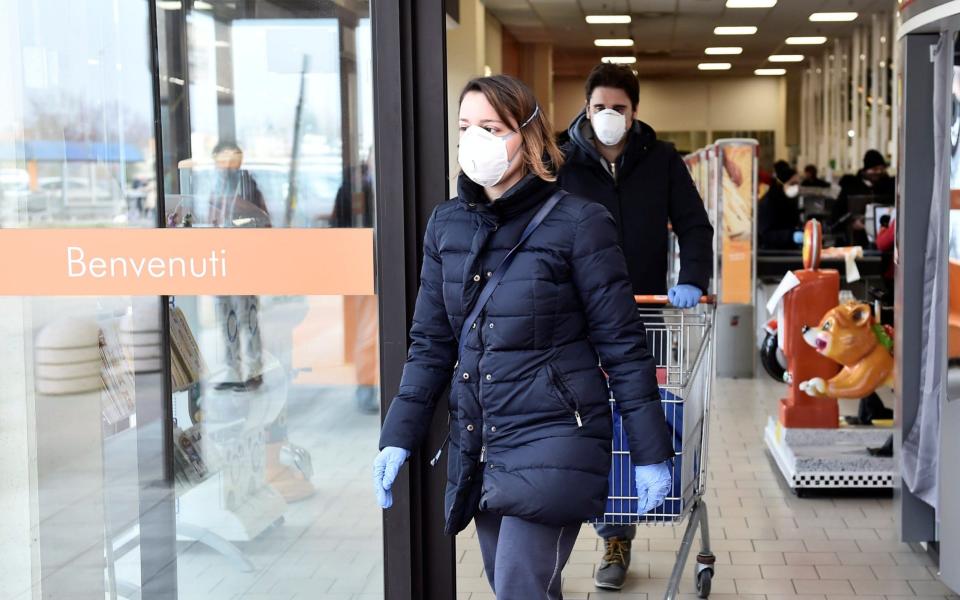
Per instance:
(225,146)
(812,169)
(614,76)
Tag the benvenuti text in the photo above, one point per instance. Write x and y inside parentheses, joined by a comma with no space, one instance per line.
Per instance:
(125,267)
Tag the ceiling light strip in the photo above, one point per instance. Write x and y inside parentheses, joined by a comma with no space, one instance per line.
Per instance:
(738,30)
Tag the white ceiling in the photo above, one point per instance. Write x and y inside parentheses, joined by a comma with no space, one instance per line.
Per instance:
(671,35)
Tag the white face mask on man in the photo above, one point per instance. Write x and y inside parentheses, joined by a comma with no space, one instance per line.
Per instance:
(609,126)
(483,156)
(791,190)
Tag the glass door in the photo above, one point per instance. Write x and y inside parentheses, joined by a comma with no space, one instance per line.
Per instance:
(266,119)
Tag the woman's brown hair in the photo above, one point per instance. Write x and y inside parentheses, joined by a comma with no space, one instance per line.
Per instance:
(514,102)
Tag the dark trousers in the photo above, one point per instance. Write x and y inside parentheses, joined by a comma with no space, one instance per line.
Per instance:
(621,532)
(524,560)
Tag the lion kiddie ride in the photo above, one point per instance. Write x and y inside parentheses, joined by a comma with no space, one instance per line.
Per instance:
(830,350)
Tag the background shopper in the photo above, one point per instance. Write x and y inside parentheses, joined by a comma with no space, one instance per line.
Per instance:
(872,185)
(811,178)
(778,214)
(616,160)
(530,426)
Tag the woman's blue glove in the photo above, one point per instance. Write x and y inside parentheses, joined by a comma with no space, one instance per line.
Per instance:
(684,295)
(798,238)
(654,482)
(385,469)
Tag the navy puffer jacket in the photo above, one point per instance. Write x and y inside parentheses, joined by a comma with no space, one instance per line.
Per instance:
(530,427)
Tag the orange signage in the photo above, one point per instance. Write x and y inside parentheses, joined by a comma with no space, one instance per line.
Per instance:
(187,261)
(737,217)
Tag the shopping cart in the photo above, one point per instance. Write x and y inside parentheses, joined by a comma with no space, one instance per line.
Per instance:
(682,344)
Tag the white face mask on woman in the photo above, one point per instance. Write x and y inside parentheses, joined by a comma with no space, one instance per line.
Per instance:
(792,190)
(483,156)
(610,126)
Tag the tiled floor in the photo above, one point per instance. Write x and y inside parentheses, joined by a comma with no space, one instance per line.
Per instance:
(769,543)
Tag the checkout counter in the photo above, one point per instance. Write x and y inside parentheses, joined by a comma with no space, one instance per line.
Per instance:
(772,265)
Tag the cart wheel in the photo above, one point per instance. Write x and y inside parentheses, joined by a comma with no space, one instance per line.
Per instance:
(704,581)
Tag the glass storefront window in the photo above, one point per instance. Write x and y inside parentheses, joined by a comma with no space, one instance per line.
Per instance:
(82,478)
(250,479)
(76,125)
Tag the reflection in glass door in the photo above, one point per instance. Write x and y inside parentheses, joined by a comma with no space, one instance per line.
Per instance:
(266,120)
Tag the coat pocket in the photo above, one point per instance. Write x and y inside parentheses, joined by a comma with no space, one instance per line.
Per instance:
(562,391)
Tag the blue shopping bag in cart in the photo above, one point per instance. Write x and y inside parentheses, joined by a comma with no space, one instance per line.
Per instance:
(622,499)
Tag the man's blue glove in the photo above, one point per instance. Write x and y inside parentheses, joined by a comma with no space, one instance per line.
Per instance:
(385,469)
(798,238)
(684,295)
(654,482)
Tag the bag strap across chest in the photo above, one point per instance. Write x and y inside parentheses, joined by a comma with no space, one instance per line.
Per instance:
(501,269)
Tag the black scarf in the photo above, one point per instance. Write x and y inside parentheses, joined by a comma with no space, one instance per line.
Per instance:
(521,199)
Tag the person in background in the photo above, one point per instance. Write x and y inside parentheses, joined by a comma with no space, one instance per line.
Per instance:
(530,430)
(810,178)
(886,239)
(361,312)
(617,160)
(778,215)
(874,185)
(236,200)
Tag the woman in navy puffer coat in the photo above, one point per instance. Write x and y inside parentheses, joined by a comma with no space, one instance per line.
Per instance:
(530,424)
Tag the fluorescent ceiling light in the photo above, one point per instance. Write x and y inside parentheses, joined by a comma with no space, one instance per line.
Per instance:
(723,51)
(751,3)
(201,5)
(169,5)
(833,17)
(785,58)
(608,19)
(714,66)
(620,60)
(770,72)
(810,40)
(613,42)
(746,30)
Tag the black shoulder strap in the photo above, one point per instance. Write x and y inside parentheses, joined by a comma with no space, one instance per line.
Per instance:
(497,276)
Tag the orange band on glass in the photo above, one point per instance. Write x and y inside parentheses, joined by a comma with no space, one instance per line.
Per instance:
(198,261)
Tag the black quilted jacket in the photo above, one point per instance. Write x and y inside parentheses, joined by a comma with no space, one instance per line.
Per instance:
(530,426)
(648,188)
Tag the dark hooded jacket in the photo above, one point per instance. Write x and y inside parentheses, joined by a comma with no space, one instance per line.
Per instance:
(646,189)
(530,420)
(778,218)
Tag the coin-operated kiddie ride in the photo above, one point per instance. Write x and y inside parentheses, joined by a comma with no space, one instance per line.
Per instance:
(832,351)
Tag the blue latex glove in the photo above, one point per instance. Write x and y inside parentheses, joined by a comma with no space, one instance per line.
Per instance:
(684,295)
(385,469)
(798,238)
(654,482)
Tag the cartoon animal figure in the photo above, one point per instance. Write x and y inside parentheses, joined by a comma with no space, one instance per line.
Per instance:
(848,335)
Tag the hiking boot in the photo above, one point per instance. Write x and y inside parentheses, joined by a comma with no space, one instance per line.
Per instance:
(612,572)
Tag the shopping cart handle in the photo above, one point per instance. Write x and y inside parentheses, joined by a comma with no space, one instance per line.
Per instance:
(664,300)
